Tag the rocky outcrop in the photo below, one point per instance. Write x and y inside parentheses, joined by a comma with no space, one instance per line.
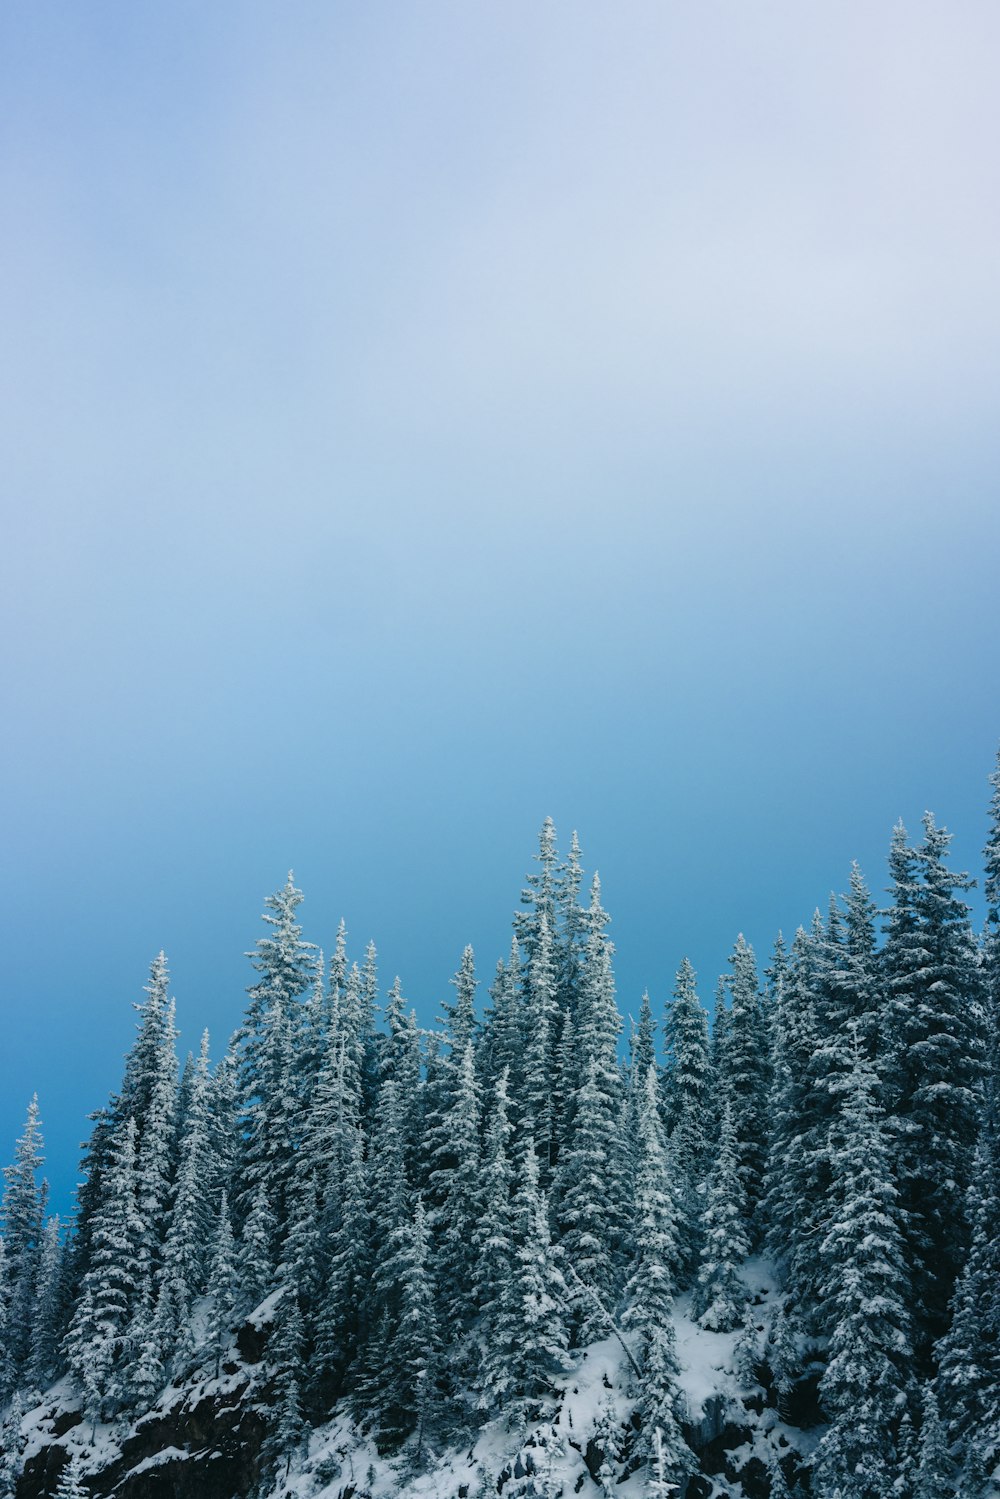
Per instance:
(206,1444)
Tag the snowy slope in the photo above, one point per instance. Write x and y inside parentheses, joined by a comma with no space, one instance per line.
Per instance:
(202,1437)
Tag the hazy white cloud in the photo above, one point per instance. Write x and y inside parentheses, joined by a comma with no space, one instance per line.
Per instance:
(299,231)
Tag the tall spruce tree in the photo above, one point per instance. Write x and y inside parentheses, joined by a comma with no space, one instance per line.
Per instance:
(650,1289)
(71,1484)
(494,1231)
(288,1426)
(48,1318)
(257,1250)
(641,1045)
(341,1323)
(540,1019)
(97,1341)
(527,1334)
(7,1371)
(830,1007)
(268,1041)
(801,1110)
(865,1385)
(969,1354)
(935,1469)
(720,1295)
(543,971)
(408,1394)
(390,1196)
(538,898)
(149,1096)
(589,1179)
(400,1062)
(845,1013)
(23,1213)
(459,1181)
(570,927)
(222,1284)
(688,1109)
(992,850)
(188,1239)
(333,1114)
(936,1066)
(745,1081)
(501,1048)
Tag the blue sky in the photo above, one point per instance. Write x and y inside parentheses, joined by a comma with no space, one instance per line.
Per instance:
(418,420)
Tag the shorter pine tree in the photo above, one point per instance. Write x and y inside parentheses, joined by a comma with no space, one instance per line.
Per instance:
(71,1484)
(221,1284)
(412,1398)
(659,1486)
(746,1352)
(12,1444)
(50,1308)
(257,1251)
(649,1293)
(720,1294)
(864,1387)
(935,1469)
(288,1424)
(527,1346)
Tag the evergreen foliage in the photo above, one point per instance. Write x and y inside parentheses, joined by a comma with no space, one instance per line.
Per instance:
(23,1215)
(430,1228)
(650,1288)
(969,1354)
(720,1294)
(409,1394)
(588,1184)
(186,1247)
(97,1339)
(341,1316)
(935,1473)
(864,1387)
(744,1081)
(935,1066)
(48,1317)
(222,1283)
(689,1112)
(791,1199)
(528,1332)
(71,1484)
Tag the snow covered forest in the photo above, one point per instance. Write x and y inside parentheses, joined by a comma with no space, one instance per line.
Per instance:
(524,1252)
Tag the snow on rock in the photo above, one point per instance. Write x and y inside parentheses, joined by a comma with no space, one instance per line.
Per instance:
(204,1435)
(263,1315)
(157,1459)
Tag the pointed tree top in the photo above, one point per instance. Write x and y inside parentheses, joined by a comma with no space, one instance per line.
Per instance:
(685,978)
(992,850)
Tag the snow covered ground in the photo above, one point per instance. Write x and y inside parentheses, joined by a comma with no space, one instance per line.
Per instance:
(592,1403)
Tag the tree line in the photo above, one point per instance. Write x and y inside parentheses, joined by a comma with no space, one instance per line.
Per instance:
(433,1220)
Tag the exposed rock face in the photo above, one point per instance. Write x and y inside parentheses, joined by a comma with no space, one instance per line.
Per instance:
(713,1439)
(208,1446)
(197,1448)
(206,1439)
